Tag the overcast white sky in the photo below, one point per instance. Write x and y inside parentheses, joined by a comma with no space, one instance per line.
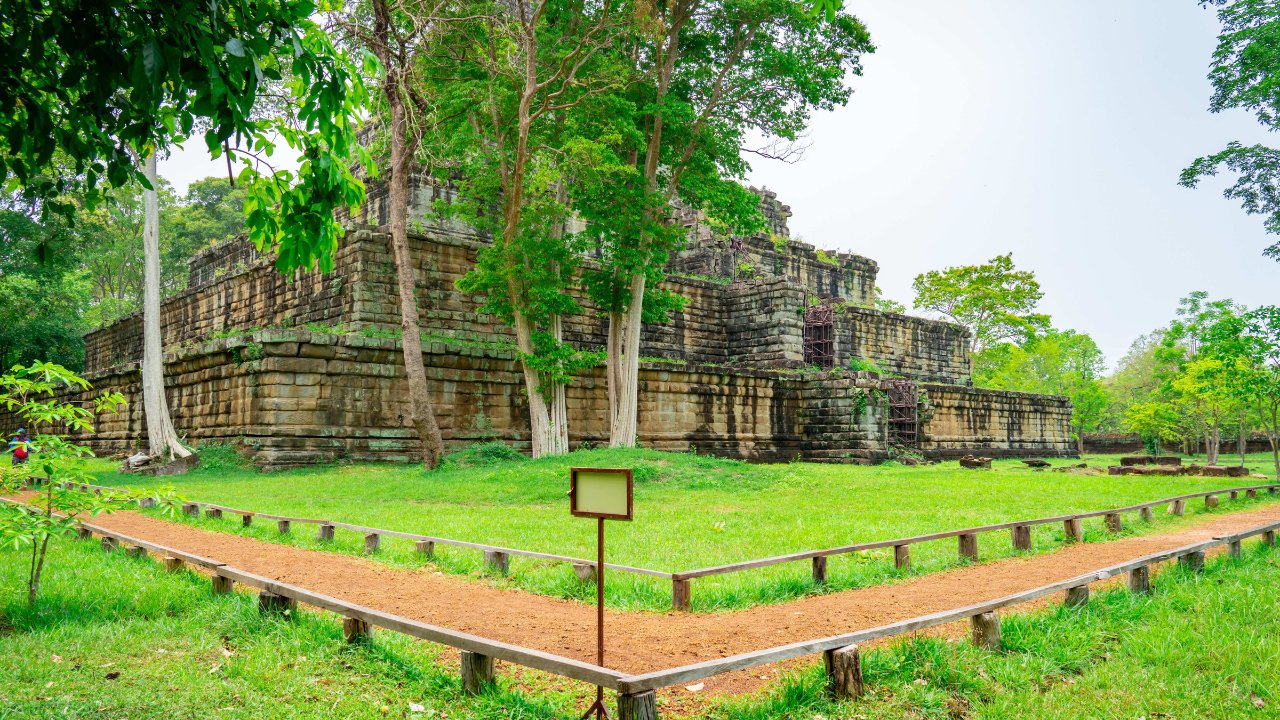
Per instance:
(1054,128)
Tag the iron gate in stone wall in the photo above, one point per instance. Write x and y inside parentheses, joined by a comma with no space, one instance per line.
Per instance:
(904,420)
(819,336)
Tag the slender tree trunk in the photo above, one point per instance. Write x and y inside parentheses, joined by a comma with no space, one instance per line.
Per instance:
(624,418)
(559,405)
(1244,438)
(1215,439)
(1273,436)
(421,410)
(548,426)
(161,436)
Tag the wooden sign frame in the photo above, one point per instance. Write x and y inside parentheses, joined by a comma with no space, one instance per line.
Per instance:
(573,493)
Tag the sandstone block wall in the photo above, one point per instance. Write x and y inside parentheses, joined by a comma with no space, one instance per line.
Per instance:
(926,350)
(306,369)
(764,323)
(292,397)
(995,423)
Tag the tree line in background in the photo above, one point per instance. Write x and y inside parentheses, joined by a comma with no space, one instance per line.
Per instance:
(1212,373)
(63,276)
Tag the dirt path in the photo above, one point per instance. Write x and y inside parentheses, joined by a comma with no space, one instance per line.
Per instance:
(644,641)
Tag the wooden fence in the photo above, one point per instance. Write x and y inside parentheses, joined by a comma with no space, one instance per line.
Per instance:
(1020,531)
(636,693)
(982,616)
(498,557)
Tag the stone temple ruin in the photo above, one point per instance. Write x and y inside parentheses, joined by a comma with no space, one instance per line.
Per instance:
(307,369)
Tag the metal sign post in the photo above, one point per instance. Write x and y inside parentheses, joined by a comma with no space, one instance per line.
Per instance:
(604,494)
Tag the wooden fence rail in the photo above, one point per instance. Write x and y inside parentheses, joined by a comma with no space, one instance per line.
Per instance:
(681,586)
(634,684)
(527,657)
(426,543)
(636,700)
(968,539)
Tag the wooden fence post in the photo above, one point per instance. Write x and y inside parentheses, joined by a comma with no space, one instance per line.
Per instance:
(1178,507)
(356,631)
(1250,494)
(1021,537)
(1112,521)
(1235,495)
(1077,596)
(282,526)
(1140,580)
(638,706)
(1193,561)
(586,572)
(222,585)
(246,519)
(1146,515)
(425,547)
(1071,531)
(820,569)
(136,551)
(968,546)
(681,595)
(270,603)
(902,557)
(172,564)
(1211,501)
(497,561)
(986,630)
(477,672)
(147,502)
(108,543)
(191,509)
(324,533)
(371,542)
(1233,548)
(1269,538)
(844,673)
(213,513)
(83,533)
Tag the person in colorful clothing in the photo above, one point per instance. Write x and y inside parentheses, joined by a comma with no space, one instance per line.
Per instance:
(18,448)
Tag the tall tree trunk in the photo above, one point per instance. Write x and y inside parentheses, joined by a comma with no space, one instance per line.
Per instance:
(422,411)
(548,426)
(1275,453)
(162,439)
(624,419)
(1244,437)
(1212,443)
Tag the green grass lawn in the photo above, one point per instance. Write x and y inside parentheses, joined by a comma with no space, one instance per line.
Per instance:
(691,511)
(1202,646)
(116,637)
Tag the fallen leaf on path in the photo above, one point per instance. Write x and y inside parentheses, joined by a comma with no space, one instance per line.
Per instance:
(56,659)
(415,707)
(113,674)
(695,688)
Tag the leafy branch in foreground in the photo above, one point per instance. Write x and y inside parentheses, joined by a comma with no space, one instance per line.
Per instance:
(30,522)
(1244,74)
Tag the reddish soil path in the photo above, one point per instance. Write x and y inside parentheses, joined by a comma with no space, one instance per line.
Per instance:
(644,641)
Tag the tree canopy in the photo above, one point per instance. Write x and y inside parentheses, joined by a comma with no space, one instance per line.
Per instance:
(1245,75)
(90,87)
(994,300)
